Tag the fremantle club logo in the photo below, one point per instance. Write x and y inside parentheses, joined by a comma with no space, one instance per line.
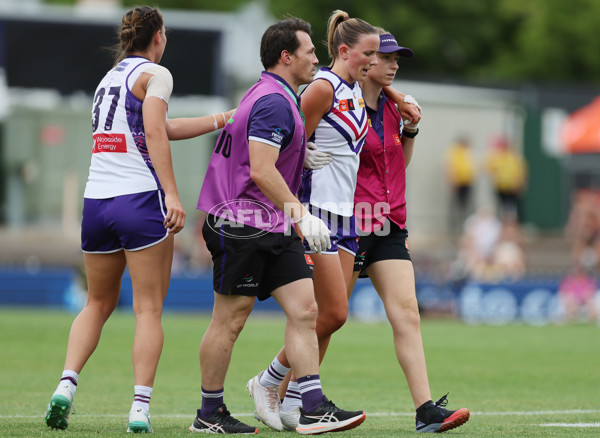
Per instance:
(229,217)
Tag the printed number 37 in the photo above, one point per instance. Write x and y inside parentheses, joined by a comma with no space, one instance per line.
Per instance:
(115,92)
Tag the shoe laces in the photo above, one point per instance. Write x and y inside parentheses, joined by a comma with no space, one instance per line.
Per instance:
(330,405)
(225,416)
(443,401)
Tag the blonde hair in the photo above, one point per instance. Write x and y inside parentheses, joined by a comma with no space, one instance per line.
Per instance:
(138,27)
(341,29)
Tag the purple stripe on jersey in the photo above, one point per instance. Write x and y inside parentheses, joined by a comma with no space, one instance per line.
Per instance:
(342,82)
(71,379)
(360,144)
(131,72)
(344,134)
(356,119)
(135,121)
(335,99)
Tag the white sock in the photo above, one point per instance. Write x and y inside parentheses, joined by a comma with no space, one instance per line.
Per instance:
(71,378)
(274,375)
(292,398)
(141,399)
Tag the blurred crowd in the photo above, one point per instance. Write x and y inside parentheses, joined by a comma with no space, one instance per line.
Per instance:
(491,245)
(578,289)
(491,241)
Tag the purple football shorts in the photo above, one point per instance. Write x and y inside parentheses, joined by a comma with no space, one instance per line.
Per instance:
(130,222)
(343,232)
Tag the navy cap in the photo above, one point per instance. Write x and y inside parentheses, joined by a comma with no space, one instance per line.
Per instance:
(388,44)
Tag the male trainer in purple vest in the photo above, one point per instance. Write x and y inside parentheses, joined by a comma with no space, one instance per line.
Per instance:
(249,195)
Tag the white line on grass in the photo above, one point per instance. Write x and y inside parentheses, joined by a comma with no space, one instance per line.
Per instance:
(573,411)
(569,425)
(372,414)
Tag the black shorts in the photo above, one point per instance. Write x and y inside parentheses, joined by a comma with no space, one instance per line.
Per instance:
(249,263)
(374,248)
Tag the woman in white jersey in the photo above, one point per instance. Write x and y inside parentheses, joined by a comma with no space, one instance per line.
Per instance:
(336,121)
(131,208)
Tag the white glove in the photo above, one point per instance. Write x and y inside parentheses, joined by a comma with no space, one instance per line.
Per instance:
(407,124)
(313,159)
(315,232)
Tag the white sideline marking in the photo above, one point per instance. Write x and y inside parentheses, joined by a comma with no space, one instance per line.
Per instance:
(572,411)
(570,425)
(371,414)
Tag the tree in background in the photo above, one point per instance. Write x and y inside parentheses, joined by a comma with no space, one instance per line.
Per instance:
(485,41)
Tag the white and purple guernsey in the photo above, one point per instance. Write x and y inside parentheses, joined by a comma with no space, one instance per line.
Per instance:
(120,161)
(228,191)
(342,133)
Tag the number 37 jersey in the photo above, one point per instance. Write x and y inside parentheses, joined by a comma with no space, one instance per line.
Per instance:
(120,161)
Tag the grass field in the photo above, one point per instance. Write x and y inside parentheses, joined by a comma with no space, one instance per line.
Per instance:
(516,380)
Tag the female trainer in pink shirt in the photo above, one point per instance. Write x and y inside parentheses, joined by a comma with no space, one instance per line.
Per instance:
(380,210)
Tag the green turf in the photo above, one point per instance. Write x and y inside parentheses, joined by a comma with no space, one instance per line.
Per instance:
(503,374)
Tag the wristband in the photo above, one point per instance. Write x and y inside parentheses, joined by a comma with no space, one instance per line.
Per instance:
(224,119)
(410,134)
(215,124)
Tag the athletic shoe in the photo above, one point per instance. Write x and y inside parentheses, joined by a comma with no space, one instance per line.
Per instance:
(328,418)
(139,421)
(267,402)
(289,420)
(220,421)
(432,417)
(59,408)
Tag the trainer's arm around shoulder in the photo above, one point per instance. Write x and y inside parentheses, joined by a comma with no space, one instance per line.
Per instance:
(407,110)
(184,128)
(266,176)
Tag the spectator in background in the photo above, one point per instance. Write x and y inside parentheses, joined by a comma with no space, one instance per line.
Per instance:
(509,254)
(461,171)
(508,172)
(583,227)
(577,293)
(480,236)
(492,249)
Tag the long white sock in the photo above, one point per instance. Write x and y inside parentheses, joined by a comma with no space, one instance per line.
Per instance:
(141,399)
(274,375)
(292,399)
